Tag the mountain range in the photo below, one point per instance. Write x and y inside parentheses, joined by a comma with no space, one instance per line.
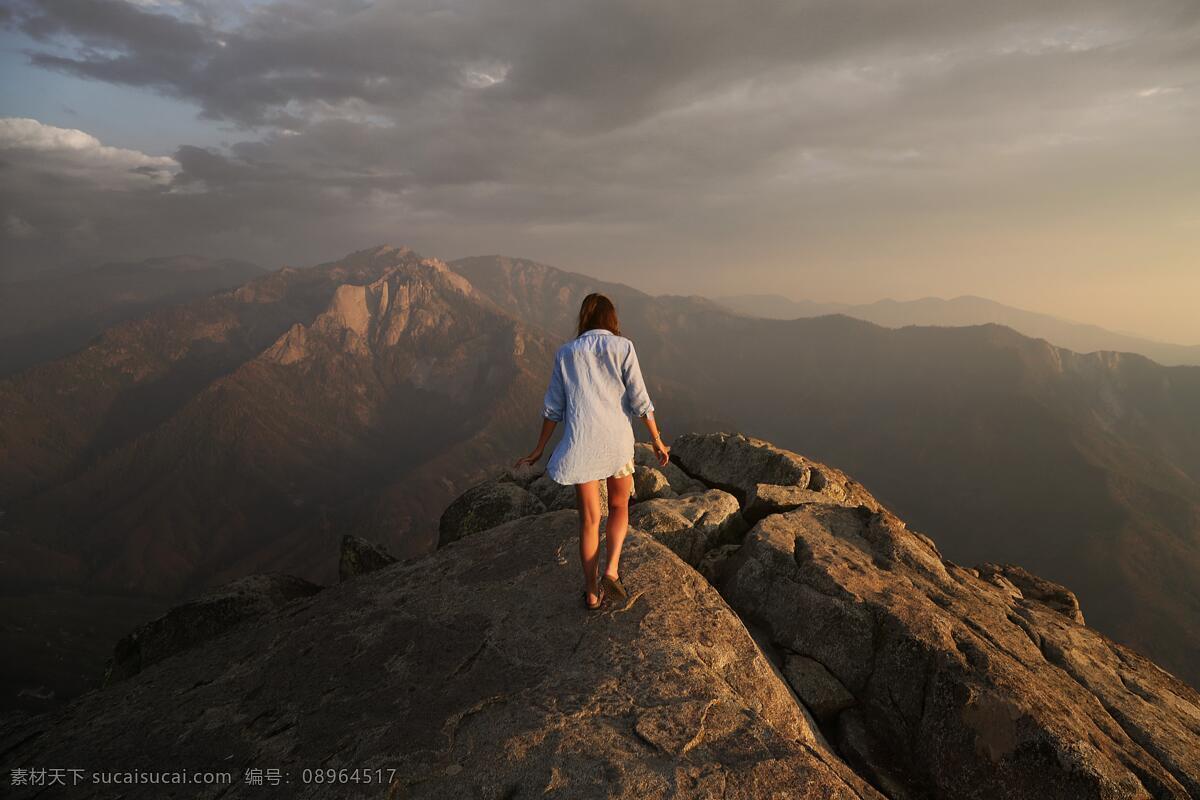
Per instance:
(250,429)
(968,310)
(43,317)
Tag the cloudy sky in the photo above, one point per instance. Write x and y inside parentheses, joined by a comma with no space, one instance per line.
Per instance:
(1042,153)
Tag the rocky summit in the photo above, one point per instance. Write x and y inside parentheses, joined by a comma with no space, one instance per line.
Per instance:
(785,636)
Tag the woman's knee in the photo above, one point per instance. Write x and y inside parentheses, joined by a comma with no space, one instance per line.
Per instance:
(589,516)
(618,499)
(587,498)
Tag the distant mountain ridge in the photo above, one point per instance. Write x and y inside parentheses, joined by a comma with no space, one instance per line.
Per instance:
(49,315)
(970,310)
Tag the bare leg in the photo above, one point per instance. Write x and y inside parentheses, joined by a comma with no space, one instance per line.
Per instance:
(618,522)
(587,498)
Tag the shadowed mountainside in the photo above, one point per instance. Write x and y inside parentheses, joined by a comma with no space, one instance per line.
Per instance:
(248,430)
(49,316)
(967,310)
(295,421)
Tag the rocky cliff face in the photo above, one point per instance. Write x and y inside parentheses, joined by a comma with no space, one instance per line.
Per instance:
(785,636)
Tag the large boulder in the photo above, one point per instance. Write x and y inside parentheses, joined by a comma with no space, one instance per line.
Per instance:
(486,505)
(739,462)
(1035,587)
(766,479)
(474,672)
(204,618)
(961,687)
(690,525)
(649,484)
(360,556)
(554,495)
(680,481)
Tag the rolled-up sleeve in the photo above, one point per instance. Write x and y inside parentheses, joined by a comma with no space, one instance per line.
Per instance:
(555,401)
(637,400)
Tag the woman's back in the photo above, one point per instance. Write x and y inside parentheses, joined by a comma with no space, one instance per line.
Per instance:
(596,388)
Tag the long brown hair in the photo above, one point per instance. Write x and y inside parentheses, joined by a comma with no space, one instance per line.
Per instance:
(597,311)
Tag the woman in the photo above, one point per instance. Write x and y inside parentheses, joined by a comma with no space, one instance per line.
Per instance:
(596,387)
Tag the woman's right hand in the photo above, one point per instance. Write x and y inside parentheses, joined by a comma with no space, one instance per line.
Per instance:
(529,460)
(662,451)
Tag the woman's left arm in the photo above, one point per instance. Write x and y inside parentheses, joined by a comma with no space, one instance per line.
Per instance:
(637,400)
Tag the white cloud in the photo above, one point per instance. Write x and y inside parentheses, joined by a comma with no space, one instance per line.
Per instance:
(1154,91)
(482,76)
(79,155)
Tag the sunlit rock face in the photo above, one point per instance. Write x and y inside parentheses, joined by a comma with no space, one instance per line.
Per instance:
(928,678)
(814,647)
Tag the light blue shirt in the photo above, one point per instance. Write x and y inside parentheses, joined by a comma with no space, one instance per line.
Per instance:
(596,389)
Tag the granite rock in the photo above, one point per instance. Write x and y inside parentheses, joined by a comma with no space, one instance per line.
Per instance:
(204,618)
(360,556)
(473,672)
(692,524)
(486,505)
(961,688)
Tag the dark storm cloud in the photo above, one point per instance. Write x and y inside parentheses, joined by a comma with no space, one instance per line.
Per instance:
(580,128)
(581,66)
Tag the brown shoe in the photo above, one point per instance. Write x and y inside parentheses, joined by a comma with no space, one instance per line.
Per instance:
(614,584)
(599,600)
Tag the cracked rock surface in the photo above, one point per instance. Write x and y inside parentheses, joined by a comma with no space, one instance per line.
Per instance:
(766,479)
(877,668)
(474,672)
(206,617)
(691,524)
(961,685)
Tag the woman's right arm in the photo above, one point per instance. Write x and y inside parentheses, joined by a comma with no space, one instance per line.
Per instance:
(638,402)
(660,447)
